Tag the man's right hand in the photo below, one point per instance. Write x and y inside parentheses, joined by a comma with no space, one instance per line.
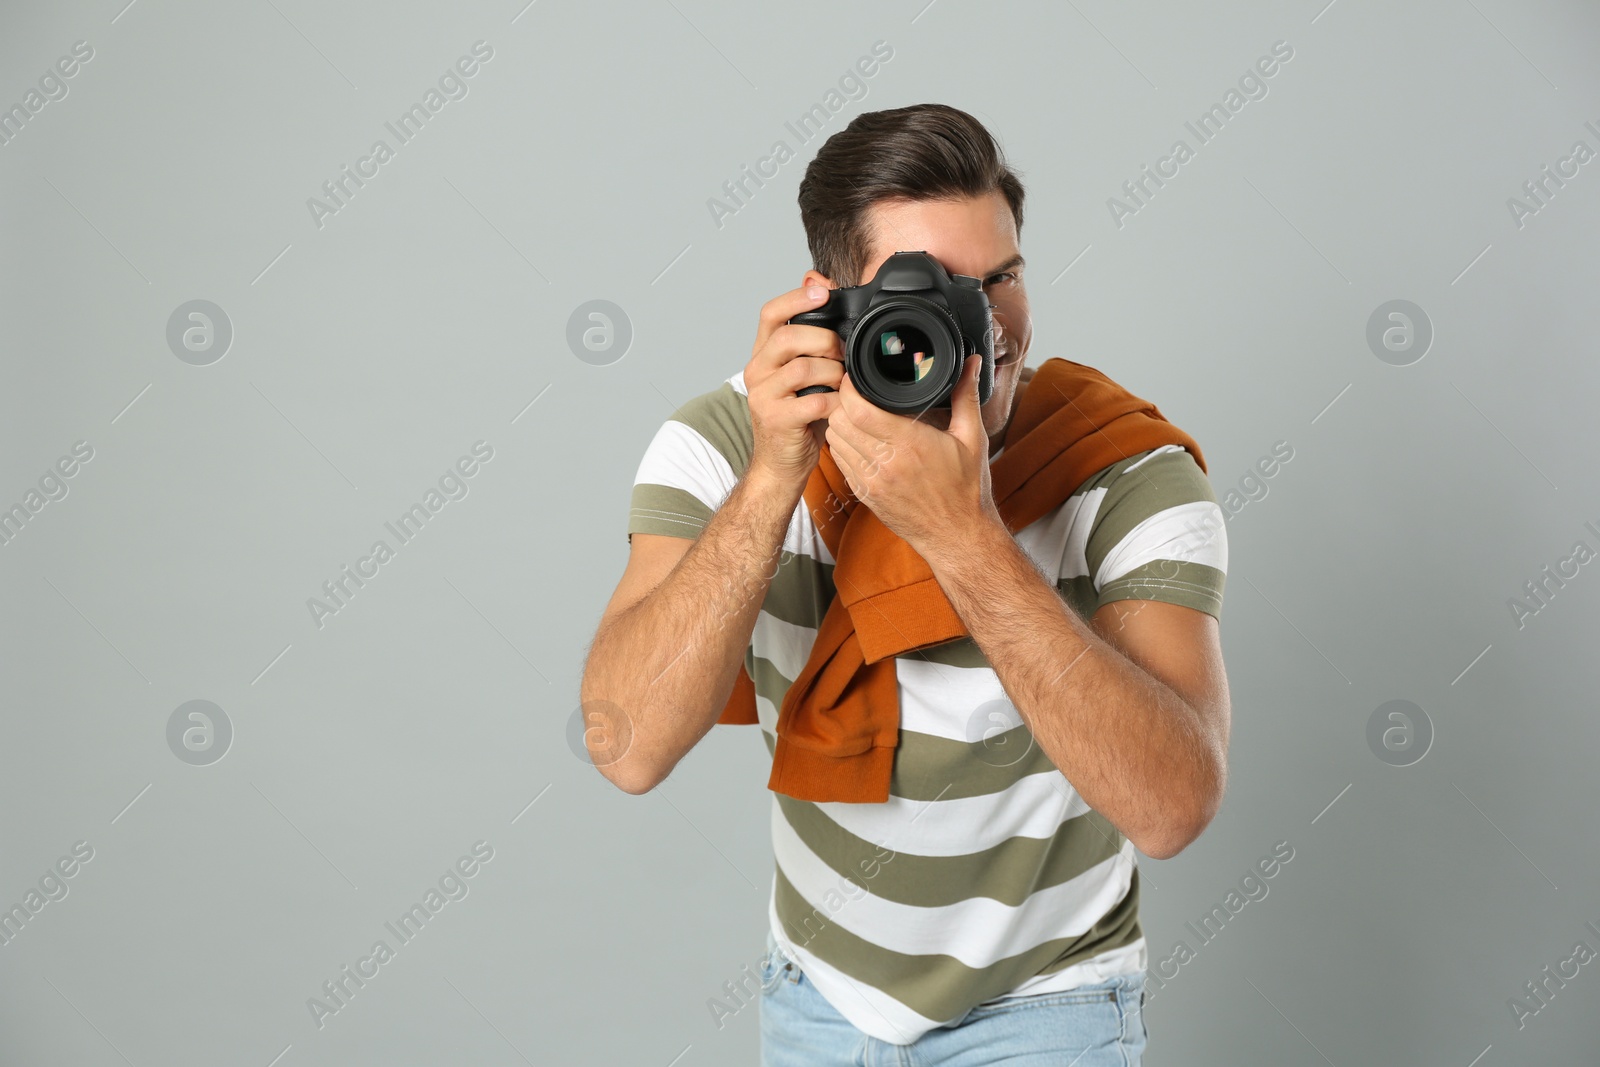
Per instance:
(785,359)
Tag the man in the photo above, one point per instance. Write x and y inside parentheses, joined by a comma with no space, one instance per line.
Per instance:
(987,910)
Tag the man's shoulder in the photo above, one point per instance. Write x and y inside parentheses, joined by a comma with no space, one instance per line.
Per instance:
(1158,532)
(1159,471)
(697,456)
(1160,480)
(721,417)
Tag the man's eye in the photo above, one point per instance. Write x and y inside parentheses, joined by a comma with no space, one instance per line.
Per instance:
(1007,276)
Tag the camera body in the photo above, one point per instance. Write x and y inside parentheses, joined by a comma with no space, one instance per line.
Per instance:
(908,331)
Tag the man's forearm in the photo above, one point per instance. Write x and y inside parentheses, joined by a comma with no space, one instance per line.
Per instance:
(659,674)
(1132,748)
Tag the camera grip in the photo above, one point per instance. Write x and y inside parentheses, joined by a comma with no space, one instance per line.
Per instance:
(826,318)
(820,317)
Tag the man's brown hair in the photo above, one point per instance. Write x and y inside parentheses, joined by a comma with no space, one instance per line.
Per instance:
(921,152)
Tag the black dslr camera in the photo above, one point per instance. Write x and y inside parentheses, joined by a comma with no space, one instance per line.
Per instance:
(908,331)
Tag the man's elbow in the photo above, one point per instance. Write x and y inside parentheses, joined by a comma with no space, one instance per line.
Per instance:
(630,776)
(608,743)
(1174,839)
(1179,834)
(636,787)
(1166,847)
(624,765)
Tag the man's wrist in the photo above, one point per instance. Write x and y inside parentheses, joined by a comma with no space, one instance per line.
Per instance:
(981,538)
(768,475)
(768,482)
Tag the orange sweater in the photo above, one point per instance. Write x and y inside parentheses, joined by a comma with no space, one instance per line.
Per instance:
(840,720)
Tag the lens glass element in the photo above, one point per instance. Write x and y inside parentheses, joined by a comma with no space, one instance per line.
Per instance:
(905,354)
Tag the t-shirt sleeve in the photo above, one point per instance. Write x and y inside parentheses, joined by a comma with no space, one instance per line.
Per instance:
(1159,534)
(691,466)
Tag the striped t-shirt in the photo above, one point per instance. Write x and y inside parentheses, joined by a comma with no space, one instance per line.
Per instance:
(984,875)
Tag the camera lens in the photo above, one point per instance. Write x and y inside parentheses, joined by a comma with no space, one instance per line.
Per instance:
(904,355)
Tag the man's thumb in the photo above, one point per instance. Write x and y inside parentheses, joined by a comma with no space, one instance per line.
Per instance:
(966,417)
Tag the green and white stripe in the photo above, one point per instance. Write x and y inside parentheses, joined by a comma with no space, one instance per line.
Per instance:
(974,881)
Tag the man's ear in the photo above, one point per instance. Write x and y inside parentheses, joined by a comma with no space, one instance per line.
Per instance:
(813,277)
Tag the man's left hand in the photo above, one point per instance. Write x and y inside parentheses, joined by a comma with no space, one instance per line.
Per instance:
(922,482)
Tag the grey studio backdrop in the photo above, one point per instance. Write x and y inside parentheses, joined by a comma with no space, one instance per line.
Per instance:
(1409,620)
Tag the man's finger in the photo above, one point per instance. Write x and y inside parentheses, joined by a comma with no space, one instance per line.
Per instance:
(850,433)
(863,412)
(966,417)
(780,309)
(845,454)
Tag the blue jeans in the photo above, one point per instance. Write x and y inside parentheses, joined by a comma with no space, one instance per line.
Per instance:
(1096,1025)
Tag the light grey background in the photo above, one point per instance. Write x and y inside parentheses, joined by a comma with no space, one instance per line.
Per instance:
(430,312)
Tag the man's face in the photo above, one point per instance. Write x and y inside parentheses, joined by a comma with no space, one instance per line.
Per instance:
(975,236)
